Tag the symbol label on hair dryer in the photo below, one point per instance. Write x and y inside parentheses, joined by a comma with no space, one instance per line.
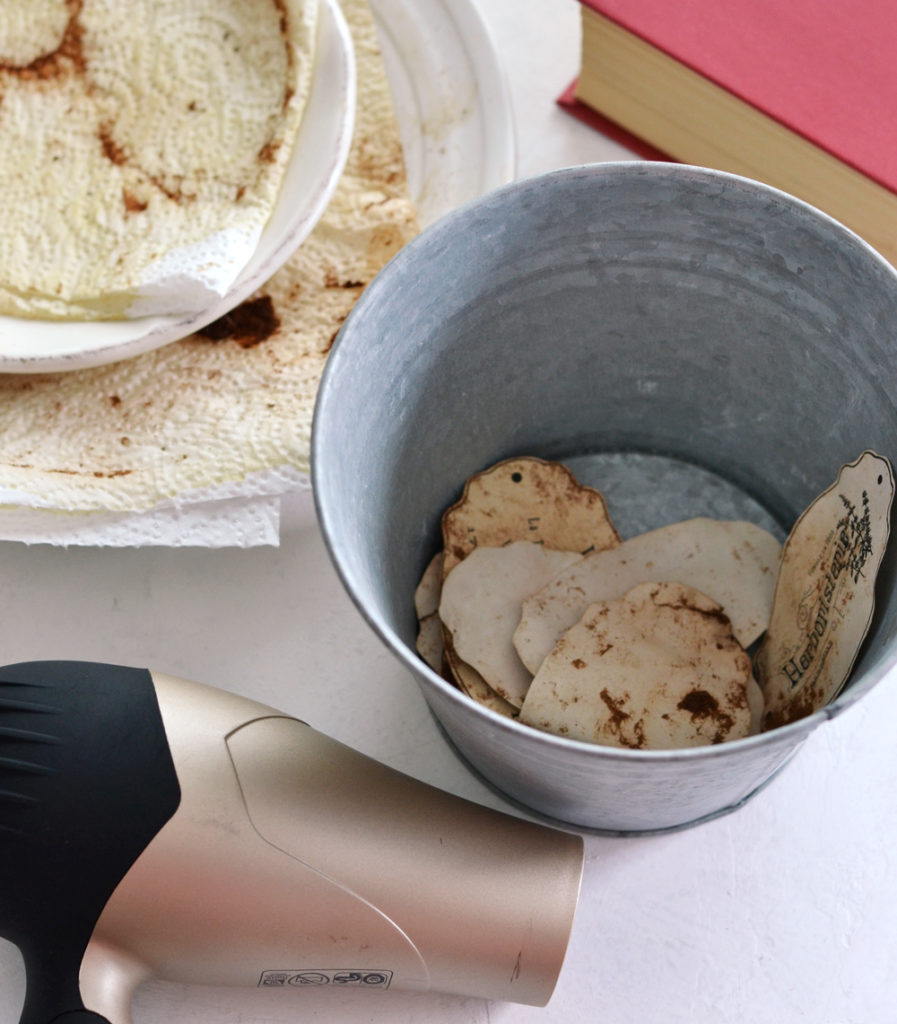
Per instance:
(340,978)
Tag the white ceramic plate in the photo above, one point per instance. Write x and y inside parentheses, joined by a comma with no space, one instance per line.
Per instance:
(28,346)
(451,101)
(455,118)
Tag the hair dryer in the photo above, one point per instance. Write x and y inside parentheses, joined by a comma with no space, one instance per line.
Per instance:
(153,827)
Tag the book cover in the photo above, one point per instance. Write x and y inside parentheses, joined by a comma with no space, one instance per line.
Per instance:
(824,69)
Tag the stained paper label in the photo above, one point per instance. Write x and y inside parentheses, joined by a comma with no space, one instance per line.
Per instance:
(824,594)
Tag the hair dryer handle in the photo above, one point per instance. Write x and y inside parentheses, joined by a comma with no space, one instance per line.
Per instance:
(88,780)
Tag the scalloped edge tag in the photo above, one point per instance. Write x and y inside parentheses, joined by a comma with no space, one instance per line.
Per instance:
(825,592)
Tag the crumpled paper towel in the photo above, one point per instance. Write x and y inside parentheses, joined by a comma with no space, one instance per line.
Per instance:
(171,165)
(198,441)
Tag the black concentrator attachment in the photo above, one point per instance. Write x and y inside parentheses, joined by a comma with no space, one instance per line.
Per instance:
(86,781)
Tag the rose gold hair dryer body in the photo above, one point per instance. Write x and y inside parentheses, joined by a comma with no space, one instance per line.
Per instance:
(152,827)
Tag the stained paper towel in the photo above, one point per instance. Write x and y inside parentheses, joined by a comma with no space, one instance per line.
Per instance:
(146,451)
(241,515)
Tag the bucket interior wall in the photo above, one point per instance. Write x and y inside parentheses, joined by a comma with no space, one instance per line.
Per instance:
(635,310)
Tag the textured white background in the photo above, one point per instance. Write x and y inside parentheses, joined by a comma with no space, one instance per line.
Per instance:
(783,912)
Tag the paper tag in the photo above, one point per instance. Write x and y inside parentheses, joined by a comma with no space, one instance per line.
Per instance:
(825,592)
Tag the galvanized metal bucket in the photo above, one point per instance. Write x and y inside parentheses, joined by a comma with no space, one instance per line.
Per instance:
(706,344)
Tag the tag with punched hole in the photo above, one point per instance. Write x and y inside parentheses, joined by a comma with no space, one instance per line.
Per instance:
(825,592)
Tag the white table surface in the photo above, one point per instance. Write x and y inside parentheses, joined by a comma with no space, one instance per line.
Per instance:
(785,911)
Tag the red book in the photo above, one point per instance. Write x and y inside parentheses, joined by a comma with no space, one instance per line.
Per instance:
(802,95)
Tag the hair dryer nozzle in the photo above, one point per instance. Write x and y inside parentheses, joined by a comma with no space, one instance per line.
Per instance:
(216,841)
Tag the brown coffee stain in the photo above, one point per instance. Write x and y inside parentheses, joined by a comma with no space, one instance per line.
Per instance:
(66,59)
(248,324)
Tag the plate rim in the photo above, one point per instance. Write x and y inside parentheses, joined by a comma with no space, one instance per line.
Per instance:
(490,73)
(494,101)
